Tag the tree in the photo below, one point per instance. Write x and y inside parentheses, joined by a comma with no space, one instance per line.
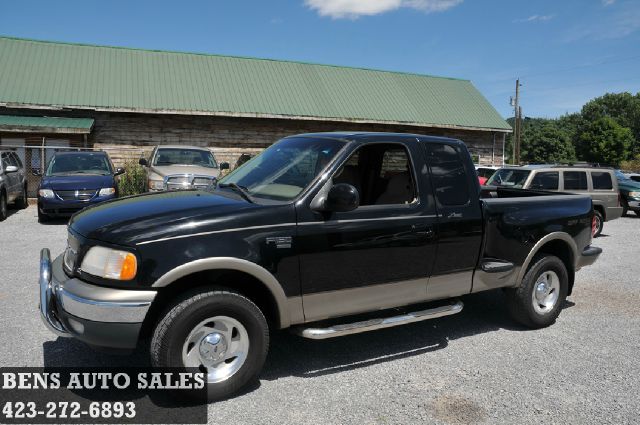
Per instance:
(546,142)
(605,141)
(623,108)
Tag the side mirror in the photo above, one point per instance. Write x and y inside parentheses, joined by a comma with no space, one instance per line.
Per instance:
(36,172)
(224,166)
(143,162)
(119,171)
(10,169)
(342,197)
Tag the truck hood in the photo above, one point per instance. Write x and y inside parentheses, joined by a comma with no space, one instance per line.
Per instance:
(628,186)
(166,170)
(134,219)
(77,182)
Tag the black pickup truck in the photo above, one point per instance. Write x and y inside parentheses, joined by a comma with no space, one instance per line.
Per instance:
(327,234)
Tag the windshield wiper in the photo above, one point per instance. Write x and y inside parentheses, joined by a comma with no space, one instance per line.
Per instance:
(240,189)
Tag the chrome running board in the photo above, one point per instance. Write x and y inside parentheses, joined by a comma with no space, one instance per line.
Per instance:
(379,323)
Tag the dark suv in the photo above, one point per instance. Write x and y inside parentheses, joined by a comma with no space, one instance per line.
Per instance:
(75,180)
(13,183)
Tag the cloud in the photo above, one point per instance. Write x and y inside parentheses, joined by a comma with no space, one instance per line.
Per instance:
(535,18)
(606,3)
(352,9)
(619,25)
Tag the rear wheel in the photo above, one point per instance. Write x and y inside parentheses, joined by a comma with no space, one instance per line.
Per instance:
(625,208)
(537,302)
(637,212)
(3,206)
(221,333)
(598,223)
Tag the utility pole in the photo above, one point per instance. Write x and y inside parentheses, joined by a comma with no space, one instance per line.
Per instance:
(517,111)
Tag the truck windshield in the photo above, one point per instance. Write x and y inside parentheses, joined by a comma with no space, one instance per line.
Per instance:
(169,156)
(509,177)
(80,163)
(285,169)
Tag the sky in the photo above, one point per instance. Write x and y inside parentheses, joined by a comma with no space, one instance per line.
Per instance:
(564,52)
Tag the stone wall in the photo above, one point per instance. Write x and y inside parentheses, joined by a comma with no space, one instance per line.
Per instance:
(130,136)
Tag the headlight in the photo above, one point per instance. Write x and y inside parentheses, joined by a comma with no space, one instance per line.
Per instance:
(156,184)
(107,191)
(46,193)
(634,194)
(110,263)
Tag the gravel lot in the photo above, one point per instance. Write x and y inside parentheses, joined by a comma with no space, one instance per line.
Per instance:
(476,367)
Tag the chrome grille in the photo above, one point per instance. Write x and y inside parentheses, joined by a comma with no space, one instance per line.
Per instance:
(187,181)
(75,195)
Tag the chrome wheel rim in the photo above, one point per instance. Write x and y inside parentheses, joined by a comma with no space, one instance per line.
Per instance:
(218,346)
(598,225)
(546,292)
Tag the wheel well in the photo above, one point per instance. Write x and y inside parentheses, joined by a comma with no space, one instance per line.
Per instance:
(600,209)
(238,281)
(563,251)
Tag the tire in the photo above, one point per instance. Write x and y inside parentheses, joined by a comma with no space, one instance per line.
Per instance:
(625,208)
(23,201)
(599,223)
(523,303)
(637,212)
(178,339)
(3,206)
(42,218)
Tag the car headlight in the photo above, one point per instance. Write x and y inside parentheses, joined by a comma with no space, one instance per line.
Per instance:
(156,184)
(46,193)
(110,263)
(634,194)
(107,191)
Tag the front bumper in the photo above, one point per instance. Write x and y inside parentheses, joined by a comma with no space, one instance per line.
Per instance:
(589,256)
(634,205)
(613,213)
(103,317)
(55,207)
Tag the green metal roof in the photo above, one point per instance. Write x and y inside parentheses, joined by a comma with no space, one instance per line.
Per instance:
(16,123)
(37,73)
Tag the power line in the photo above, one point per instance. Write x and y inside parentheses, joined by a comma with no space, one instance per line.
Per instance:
(553,71)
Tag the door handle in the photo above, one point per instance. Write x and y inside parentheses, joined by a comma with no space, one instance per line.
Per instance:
(425,232)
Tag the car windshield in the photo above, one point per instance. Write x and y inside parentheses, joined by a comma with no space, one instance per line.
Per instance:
(509,177)
(177,156)
(621,176)
(285,169)
(80,163)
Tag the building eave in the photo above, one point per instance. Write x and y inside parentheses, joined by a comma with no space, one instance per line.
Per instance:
(247,115)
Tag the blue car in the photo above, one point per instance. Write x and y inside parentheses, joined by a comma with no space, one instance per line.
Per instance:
(75,180)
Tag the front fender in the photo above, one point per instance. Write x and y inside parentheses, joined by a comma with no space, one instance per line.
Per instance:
(287,308)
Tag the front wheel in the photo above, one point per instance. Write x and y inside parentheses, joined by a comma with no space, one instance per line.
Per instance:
(537,302)
(23,201)
(221,333)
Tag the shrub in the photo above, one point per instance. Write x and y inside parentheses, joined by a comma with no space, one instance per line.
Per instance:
(132,181)
(631,165)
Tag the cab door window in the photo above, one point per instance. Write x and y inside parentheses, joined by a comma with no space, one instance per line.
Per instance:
(382,173)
